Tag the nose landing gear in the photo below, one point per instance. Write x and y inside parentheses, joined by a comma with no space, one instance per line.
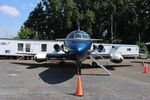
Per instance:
(78,68)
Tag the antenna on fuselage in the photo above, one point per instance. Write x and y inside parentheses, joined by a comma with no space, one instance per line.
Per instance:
(78,26)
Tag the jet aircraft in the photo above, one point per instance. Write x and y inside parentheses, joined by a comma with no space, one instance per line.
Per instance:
(78,47)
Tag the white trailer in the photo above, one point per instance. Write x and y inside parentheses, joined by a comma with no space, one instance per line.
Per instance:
(19,47)
(12,47)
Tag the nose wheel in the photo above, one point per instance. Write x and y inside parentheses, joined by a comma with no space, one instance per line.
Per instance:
(78,68)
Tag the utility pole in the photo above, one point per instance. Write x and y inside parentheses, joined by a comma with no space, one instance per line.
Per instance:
(6,35)
(111,18)
(36,30)
(139,37)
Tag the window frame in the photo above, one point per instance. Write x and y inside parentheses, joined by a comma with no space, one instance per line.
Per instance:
(20,48)
(43,47)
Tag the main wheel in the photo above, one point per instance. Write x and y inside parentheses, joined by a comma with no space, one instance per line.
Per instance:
(62,63)
(94,64)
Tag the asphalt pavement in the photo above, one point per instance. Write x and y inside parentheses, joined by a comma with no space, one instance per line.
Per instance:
(28,80)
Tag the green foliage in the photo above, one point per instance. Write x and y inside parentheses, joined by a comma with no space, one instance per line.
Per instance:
(56,18)
(68,13)
(89,20)
(142,47)
(26,33)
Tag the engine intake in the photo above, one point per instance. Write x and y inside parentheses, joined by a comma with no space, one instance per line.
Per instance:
(57,48)
(99,48)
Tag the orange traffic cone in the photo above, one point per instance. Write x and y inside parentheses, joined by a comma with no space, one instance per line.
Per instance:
(79,91)
(142,63)
(145,69)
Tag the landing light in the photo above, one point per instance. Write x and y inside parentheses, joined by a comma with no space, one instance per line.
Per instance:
(79,49)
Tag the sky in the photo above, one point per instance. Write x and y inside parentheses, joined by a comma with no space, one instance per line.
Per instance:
(13,13)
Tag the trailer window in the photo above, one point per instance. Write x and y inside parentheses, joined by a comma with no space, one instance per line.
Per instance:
(128,49)
(20,46)
(44,47)
(3,43)
(7,51)
(27,48)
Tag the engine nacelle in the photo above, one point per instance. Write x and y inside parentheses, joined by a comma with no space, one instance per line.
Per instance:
(99,48)
(116,58)
(57,48)
(40,57)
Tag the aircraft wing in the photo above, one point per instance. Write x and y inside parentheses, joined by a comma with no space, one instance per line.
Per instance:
(56,55)
(110,52)
(96,40)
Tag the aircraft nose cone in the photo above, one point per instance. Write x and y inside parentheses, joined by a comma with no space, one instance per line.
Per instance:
(80,48)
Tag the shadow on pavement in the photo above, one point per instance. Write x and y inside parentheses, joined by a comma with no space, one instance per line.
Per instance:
(112,67)
(148,62)
(56,73)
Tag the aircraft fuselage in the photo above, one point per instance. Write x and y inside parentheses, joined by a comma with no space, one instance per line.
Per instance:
(78,43)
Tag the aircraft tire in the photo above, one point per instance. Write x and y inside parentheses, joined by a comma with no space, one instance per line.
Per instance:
(94,64)
(62,63)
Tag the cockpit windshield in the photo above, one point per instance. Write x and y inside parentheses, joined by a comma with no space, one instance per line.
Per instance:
(78,35)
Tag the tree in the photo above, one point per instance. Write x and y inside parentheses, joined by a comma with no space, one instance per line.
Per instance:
(26,33)
(133,20)
(142,47)
(37,21)
(56,18)
(89,20)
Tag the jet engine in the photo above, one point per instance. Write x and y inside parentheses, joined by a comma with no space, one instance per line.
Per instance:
(99,48)
(116,58)
(57,48)
(40,57)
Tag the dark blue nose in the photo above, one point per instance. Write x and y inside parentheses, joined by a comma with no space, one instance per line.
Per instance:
(80,48)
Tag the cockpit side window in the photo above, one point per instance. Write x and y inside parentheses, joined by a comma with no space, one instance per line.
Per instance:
(89,37)
(78,35)
(85,36)
(71,36)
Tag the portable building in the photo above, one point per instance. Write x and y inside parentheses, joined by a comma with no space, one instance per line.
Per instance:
(12,47)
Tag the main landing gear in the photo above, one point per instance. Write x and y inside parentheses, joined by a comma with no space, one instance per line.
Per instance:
(95,63)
